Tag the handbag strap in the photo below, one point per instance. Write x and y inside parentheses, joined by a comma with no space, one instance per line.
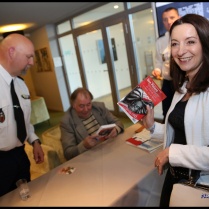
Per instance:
(194,176)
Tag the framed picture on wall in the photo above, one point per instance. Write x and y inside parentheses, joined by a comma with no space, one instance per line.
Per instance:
(101,51)
(42,60)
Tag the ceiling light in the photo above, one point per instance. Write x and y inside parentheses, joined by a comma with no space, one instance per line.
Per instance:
(14,27)
(116,6)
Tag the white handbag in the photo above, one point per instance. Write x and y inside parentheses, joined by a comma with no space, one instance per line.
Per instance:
(185,195)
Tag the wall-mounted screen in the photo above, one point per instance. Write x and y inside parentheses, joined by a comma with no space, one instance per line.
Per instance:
(201,8)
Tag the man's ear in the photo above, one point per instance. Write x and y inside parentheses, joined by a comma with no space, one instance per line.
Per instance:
(11,52)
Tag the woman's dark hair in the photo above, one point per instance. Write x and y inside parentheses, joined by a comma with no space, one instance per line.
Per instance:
(200,81)
(81,90)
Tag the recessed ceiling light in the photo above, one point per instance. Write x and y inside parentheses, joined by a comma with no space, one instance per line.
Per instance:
(14,27)
(116,6)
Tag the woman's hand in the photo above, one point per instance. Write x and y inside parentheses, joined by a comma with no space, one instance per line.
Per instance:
(161,160)
(148,119)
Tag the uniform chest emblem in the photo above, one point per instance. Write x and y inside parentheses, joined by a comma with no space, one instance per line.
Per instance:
(2,116)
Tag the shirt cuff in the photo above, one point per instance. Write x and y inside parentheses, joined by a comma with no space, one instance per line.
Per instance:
(118,129)
(37,140)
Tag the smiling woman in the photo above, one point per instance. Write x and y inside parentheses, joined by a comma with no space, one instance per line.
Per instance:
(186,140)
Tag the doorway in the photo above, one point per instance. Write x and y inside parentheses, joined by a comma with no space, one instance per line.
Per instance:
(111,56)
(108,77)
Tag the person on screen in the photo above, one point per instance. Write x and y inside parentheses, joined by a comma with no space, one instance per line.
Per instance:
(185,132)
(80,123)
(162,57)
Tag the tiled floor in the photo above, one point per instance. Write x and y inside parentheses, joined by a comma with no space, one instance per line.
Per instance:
(55,117)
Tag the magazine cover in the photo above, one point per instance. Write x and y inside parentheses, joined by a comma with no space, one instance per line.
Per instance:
(145,93)
(143,141)
(105,129)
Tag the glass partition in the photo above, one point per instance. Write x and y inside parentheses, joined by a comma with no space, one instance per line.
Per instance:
(70,62)
(98,13)
(63,27)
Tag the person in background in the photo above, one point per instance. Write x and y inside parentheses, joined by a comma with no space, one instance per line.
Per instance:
(82,120)
(162,57)
(185,132)
(16,57)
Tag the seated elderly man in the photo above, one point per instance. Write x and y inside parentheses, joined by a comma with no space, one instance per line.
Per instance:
(80,123)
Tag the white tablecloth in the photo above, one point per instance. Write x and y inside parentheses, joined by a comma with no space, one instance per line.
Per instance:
(111,174)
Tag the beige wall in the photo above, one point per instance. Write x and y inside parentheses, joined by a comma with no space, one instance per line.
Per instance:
(43,83)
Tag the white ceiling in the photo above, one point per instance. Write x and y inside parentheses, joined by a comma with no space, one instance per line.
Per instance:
(40,13)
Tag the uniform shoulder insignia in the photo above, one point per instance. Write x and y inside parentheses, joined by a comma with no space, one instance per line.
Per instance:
(20,78)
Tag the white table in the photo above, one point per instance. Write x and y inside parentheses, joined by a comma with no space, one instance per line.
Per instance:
(111,174)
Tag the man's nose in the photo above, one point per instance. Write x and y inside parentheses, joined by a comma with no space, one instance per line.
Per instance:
(86,108)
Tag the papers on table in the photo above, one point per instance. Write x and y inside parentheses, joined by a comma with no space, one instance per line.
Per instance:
(143,141)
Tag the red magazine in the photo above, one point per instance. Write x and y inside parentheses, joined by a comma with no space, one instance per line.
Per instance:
(145,93)
(143,141)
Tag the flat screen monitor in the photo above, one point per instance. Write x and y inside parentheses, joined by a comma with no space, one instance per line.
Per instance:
(201,8)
